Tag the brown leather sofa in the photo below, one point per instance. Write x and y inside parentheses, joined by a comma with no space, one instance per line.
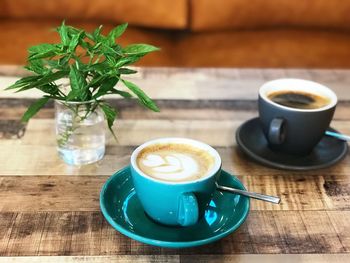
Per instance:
(220,33)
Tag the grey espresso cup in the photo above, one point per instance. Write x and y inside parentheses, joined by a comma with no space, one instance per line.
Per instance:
(294,130)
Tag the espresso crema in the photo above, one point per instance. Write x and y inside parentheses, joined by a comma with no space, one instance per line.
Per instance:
(175,162)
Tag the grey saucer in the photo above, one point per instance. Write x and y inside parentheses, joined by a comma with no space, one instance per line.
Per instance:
(252,141)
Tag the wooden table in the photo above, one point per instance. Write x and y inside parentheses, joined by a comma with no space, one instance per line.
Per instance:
(50,209)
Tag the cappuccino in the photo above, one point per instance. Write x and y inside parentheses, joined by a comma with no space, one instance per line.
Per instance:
(173,162)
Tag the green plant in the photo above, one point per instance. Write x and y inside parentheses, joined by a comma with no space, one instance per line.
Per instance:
(92,62)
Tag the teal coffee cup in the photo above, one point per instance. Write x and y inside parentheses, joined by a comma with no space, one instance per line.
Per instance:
(174,179)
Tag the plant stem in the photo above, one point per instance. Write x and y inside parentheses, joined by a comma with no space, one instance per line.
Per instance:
(76,120)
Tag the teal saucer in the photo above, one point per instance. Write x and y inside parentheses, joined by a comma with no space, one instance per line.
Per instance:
(122,209)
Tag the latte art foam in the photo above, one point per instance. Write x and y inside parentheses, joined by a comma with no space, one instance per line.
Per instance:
(174,162)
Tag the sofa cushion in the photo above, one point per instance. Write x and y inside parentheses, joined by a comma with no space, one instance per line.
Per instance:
(155,13)
(234,48)
(244,14)
(266,48)
(18,35)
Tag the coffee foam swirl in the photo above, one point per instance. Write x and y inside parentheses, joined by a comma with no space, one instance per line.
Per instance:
(174,162)
(179,166)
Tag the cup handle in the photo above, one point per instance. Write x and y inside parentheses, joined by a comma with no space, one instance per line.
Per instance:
(188,209)
(277,131)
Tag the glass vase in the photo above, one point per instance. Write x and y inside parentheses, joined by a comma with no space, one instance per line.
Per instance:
(80,132)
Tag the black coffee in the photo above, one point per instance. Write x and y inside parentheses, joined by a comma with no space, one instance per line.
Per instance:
(298,99)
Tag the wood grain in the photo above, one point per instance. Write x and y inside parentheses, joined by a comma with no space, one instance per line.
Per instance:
(207,83)
(170,109)
(45,161)
(131,132)
(48,208)
(11,129)
(103,259)
(61,193)
(77,233)
(288,258)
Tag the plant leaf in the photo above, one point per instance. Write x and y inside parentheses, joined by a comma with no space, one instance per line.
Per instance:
(139,49)
(107,50)
(107,61)
(96,81)
(63,32)
(99,67)
(78,83)
(50,88)
(116,32)
(36,81)
(72,30)
(25,81)
(63,62)
(106,86)
(96,46)
(43,51)
(110,114)
(34,108)
(143,98)
(96,35)
(126,71)
(127,61)
(75,41)
(37,66)
(122,93)
(72,95)
(41,48)
(42,80)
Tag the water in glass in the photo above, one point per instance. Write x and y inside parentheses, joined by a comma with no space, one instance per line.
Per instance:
(80,135)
